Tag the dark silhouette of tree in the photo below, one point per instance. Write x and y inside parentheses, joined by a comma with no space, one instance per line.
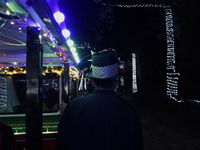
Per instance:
(187,47)
(142,31)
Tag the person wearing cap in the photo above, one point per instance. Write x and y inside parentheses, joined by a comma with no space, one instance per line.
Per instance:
(100,120)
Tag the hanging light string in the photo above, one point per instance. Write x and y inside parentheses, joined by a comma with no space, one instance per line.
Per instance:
(132,6)
(172,76)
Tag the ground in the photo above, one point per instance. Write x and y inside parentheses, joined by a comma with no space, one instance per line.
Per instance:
(166,124)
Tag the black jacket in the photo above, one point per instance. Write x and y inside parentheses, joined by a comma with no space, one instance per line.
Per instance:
(100,120)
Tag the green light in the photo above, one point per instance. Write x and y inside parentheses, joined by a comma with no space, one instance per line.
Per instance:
(77,60)
(73,49)
(70,43)
(76,57)
(40,38)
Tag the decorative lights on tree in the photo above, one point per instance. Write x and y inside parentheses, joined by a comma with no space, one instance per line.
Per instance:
(172,76)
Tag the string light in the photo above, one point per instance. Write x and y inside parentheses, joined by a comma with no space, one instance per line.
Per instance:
(172,89)
(66,33)
(131,6)
(49,69)
(59,17)
(134,76)
(70,43)
(83,46)
(45,34)
(171,75)
(7,12)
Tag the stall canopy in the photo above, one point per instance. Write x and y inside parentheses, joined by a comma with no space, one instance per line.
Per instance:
(17,15)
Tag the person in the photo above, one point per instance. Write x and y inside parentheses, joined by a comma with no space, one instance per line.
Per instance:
(100,120)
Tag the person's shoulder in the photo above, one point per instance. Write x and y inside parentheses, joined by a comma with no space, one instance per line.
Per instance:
(81,98)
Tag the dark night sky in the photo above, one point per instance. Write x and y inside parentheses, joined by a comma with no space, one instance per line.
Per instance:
(103,27)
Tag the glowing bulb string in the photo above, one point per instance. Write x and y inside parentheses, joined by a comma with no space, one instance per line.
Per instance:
(172,75)
(132,6)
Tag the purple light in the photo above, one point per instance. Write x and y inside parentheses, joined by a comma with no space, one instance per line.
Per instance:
(59,17)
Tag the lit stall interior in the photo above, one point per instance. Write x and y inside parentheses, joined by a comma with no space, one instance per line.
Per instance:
(58,48)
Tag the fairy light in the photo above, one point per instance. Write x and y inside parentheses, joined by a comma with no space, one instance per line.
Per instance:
(70,42)
(59,17)
(84,46)
(66,33)
(16,70)
(45,34)
(134,78)
(131,6)
(7,12)
(172,76)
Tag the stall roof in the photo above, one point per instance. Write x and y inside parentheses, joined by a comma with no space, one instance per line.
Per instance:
(15,17)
